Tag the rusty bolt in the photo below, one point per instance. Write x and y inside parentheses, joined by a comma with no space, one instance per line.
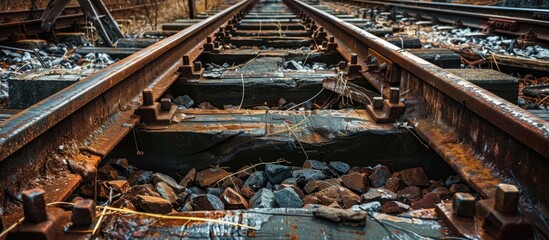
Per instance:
(165,104)
(464,204)
(209,39)
(377,102)
(332,39)
(507,196)
(354,58)
(83,212)
(394,95)
(148,97)
(342,65)
(34,205)
(197,65)
(186,60)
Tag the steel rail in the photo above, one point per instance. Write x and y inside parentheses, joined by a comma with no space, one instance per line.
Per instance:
(31,123)
(479,134)
(511,22)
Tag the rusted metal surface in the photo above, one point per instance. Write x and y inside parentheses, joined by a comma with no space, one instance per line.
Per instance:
(31,141)
(495,135)
(505,20)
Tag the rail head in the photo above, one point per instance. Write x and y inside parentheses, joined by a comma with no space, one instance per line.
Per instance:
(511,119)
(30,123)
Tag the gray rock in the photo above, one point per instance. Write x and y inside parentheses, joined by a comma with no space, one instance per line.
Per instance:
(256,180)
(380,176)
(368,207)
(378,194)
(206,202)
(339,167)
(166,192)
(264,198)
(159,177)
(315,164)
(139,177)
(277,173)
(309,174)
(288,198)
(214,191)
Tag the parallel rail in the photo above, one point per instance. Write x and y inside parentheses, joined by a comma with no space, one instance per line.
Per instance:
(508,21)
(479,134)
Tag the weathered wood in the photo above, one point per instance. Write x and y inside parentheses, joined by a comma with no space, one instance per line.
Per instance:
(349,90)
(501,84)
(404,42)
(236,137)
(520,62)
(441,57)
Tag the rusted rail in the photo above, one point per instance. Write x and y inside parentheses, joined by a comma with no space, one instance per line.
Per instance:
(482,136)
(504,20)
(94,107)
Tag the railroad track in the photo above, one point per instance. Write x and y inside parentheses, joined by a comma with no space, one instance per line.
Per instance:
(22,23)
(501,20)
(481,136)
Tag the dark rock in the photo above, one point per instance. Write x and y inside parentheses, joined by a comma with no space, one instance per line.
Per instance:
(428,201)
(411,193)
(452,180)
(288,198)
(233,200)
(264,198)
(414,177)
(121,186)
(184,197)
(435,184)
(144,189)
(393,184)
(244,172)
(295,188)
(139,177)
(208,177)
(368,207)
(214,191)
(442,192)
(315,164)
(189,178)
(378,194)
(291,180)
(120,164)
(187,207)
(159,177)
(309,174)
(184,101)
(154,204)
(459,187)
(355,181)
(196,190)
(356,169)
(166,192)
(107,172)
(247,191)
(277,173)
(380,176)
(393,207)
(256,180)
(206,202)
(339,167)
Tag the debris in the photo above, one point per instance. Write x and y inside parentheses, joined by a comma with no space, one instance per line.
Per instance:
(348,217)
